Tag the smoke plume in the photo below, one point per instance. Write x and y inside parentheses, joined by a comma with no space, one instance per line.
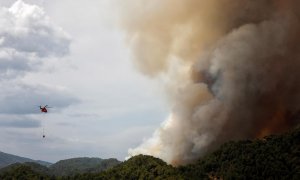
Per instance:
(231,67)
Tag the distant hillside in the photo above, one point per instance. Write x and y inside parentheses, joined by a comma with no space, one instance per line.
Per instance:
(274,157)
(82,165)
(44,163)
(68,167)
(7,159)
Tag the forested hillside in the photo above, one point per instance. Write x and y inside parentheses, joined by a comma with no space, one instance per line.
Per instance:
(273,157)
(7,159)
(25,171)
(82,165)
(65,168)
(138,167)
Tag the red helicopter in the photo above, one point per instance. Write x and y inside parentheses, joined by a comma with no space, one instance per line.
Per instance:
(44,109)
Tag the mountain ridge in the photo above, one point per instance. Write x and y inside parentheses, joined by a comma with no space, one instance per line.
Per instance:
(82,165)
(272,157)
(7,159)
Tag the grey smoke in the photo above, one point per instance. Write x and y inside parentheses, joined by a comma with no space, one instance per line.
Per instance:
(231,70)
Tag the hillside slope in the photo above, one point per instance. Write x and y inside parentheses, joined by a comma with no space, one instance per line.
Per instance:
(274,157)
(8,159)
(138,167)
(68,167)
(25,171)
(82,165)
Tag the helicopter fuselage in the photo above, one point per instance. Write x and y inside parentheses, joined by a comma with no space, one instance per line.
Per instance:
(43,109)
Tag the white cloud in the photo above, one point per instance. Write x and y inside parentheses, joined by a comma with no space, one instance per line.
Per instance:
(20,98)
(28,39)
(13,121)
(27,36)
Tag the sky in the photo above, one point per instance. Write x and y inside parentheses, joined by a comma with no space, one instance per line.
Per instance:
(72,56)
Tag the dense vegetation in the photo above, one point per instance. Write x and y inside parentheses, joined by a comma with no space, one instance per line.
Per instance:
(274,157)
(31,170)
(82,165)
(25,171)
(138,167)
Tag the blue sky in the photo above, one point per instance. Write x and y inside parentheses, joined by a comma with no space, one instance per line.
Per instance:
(72,56)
